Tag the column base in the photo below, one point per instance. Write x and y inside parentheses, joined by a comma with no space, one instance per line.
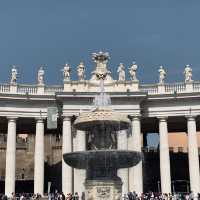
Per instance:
(103,189)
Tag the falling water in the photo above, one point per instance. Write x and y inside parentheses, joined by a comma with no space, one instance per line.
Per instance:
(102,99)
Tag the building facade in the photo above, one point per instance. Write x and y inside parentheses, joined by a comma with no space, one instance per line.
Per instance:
(31,150)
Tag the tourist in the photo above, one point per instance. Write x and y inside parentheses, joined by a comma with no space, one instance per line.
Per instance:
(69,196)
(63,196)
(11,196)
(76,197)
(49,196)
(22,197)
(134,195)
(38,196)
(83,196)
(130,196)
(4,197)
(52,196)
(33,197)
(152,196)
(125,197)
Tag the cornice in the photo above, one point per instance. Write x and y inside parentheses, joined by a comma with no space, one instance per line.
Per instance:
(174,96)
(27,97)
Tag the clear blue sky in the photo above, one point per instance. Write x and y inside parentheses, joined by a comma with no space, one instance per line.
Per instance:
(52,32)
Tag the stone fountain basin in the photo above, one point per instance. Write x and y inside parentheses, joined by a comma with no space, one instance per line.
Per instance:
(103,158)
(102,117)
(93,124)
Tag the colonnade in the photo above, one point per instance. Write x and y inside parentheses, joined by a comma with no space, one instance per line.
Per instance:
(131,178)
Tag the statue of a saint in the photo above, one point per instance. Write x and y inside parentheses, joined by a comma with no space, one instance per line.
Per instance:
(132,71)
(14,74)
(40,76)
(81,71)
(66,72)
(121,71)
(162,74)
(188,74)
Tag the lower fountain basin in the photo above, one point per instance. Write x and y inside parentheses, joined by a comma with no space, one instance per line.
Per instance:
(112,159)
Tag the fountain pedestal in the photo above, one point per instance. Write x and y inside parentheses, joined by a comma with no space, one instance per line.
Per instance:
(103,189)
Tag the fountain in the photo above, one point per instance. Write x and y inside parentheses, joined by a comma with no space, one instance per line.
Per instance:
(102,159)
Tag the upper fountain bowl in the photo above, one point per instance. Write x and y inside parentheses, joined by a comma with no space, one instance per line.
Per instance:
(102,116)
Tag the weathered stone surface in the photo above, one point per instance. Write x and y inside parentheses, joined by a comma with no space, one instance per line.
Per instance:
(104,117)
(103,189)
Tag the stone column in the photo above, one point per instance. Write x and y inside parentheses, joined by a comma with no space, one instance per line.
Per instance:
(39,157)
(79,174)
(10,157)
(134,143)
(193,156)
(66,148)
(122,144)
(165,175)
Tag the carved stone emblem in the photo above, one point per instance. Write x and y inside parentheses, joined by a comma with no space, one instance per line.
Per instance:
(103,193)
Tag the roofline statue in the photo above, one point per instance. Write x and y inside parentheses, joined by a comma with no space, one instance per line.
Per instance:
(66,72)
(121,72)
(162,75)
(188,74)
(14,74)
(40,76)
(132,71)
(81,71)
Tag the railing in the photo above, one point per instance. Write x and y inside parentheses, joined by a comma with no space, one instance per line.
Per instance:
(4,88)
(30,89)
(149,88)
(53,89)
(196,86)
(152,89)
(175,87)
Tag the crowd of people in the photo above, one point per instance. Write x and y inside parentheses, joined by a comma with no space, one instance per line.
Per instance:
(21,196)
(128,196)
(51,196)
(160,196)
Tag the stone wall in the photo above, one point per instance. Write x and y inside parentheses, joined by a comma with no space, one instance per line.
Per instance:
(25,155)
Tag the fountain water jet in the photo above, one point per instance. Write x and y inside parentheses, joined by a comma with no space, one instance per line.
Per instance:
(102,160)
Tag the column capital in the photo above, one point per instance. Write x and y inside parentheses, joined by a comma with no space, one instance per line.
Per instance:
(162,118)
(12,119)
(191,117)
(40,119)
(66,118)
(134,117)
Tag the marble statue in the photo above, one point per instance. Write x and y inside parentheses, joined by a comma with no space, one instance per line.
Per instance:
(132,71)
(188,74)
(66,72)
(40,76)
(81,71)
(121,72)
(101,72)
(162,75)
(14,74)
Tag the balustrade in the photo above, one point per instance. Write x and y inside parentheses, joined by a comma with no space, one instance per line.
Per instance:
(149,88)
(4,88)
(196,86)
(53,89)
(30,89)
(169,88)
(175,87)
